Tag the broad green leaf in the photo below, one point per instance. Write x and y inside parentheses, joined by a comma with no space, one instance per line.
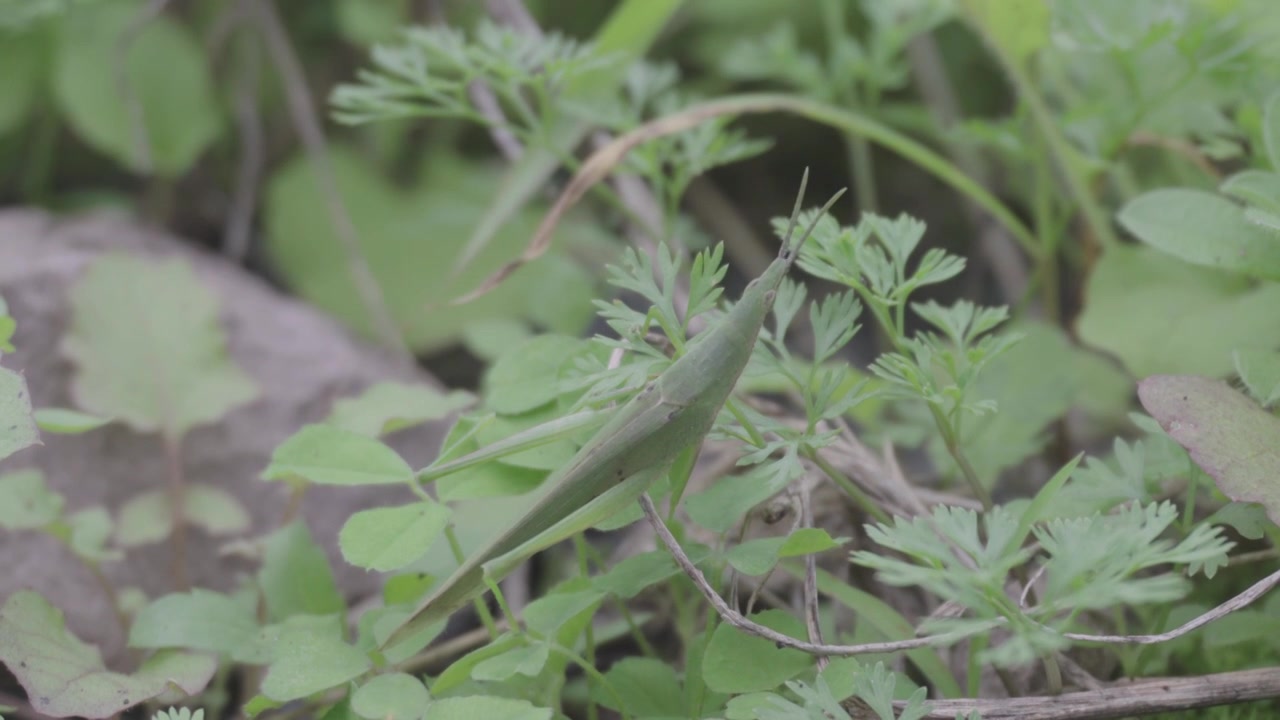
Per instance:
(146,340)
(648,687)
(295,576)
(1260,372)
(1203,229)
(366,23)
(459,671)
(489,480)
(26,69)
(626,37)
(148,516)
(720,506)
(1034,383)
(723,666)
(552,611)
(65,677)
(198,620)
(528,376)
(1258,188)
(756,557)
(394,696)
(28,504)
(391,406)
(17,428)
(489,708)
(390,538)
(1232,439)
(631,576)
(311,656)
(329,455)
(88,531)
(7,327)
(490,339)
(1271,130)
(170,96)
(1021,27)
(1159,315)
(527,660)
(410,241)
(62,421)
(1248,519)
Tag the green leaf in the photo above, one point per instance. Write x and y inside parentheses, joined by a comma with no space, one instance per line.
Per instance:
(528,376)
(65,677)
(489,708)
(311,657)
(366,23)
(527,660)
(807,541)
(756,557)
(725,671)
(625,37)
(26,71)
(1203,229)
(648,687)
(1021,27)
(410,240)
(170,94)
(1271,130)
(89,530)
(720,506)
(62,421)
(549,613)
(148,516)
(490,339)
(1033,384)
(1159,315)
(1260,372)
(395,696)
(198,620)
(1227,434)
(631,576)
(1248,519)
(1258,188)
(391,406)
(28,504)
(389,538)
(148,346)
(295,576)
(329,455)
(17,429)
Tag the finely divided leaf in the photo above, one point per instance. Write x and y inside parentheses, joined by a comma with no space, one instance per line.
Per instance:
(149,349)
(1226,433)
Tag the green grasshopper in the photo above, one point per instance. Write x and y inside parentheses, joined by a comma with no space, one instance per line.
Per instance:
(671,414)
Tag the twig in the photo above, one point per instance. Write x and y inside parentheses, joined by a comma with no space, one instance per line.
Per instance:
(235,241)
(1120,700)
(810,577)
(133,104)
(303,116)
(996,245)
(1238,602)
(734,618)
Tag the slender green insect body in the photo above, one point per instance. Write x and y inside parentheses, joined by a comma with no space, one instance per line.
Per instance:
(672,413)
